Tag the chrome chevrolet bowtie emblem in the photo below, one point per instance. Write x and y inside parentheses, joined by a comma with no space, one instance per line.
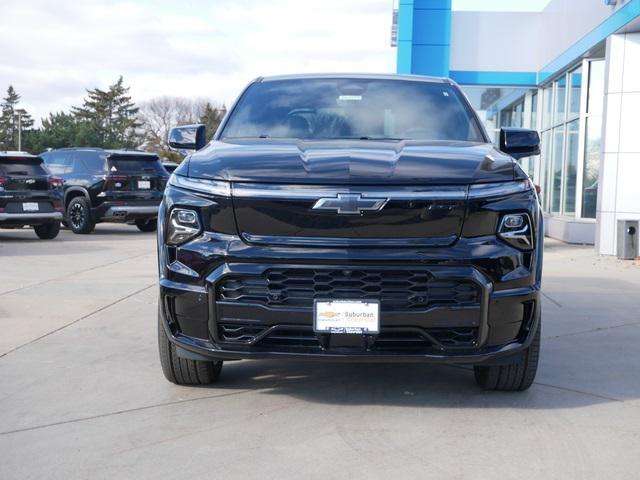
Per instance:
(350,204)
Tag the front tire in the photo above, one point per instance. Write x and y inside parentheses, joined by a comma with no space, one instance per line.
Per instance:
(79,216)
(147,225)
(183,371)
(47,231)
(514,377)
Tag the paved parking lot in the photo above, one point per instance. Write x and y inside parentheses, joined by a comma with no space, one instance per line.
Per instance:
(82,394)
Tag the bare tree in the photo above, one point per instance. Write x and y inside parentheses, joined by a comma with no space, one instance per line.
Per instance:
(160,114)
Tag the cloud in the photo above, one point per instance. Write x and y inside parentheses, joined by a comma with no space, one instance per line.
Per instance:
(52,51)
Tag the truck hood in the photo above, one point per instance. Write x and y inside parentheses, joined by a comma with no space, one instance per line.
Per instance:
(350,162)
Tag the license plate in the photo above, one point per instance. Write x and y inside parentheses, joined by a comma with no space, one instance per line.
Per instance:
(144,185)
(346,316)
(30,207)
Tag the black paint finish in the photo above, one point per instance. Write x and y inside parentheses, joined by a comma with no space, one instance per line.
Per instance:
(265,235)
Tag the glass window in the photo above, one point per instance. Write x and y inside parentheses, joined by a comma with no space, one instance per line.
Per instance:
(333,108)
(534,110)
(93,162)
(556,168)
(60,162)
(571,167)
(135,164)
(546,170)
(21,166)
(494,106)
(517,114)
(575,82)
(548,108)
(561,94)
(596,87)
(591,166)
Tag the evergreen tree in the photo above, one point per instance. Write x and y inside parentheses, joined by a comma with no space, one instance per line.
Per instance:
(107,118)
(211,117)
(58,130)
(11,119)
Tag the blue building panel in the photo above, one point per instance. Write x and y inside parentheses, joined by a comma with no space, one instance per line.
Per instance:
(431,27)
(496,79)
(424,37)
(432,60)
(433,4)
(424,44)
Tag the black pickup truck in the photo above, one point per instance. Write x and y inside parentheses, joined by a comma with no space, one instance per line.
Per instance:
(29,196)
(354,218)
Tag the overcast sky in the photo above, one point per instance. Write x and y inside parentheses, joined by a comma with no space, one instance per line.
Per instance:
(52,50)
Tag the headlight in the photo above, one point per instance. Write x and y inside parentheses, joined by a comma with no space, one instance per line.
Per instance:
(487,190)
(184,225)
(212,187)
(516,229)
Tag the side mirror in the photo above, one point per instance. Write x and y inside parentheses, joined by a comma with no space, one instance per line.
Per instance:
(188,137)
(519,142)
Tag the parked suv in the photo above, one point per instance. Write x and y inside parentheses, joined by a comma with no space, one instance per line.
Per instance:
(29,195)
(351,218)
(108,186)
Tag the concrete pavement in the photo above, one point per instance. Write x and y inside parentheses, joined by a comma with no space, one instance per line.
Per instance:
(82,394)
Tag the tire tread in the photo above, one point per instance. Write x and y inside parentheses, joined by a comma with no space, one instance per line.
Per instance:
(184,371)
(514,377)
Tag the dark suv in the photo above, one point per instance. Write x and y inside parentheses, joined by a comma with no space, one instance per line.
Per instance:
(29,195)
(108,186)
(351,218)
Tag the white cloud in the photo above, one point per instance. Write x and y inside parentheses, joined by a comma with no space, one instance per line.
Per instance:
(50,51)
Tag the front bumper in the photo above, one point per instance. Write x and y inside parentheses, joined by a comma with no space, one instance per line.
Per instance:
(198,349)
(495,327)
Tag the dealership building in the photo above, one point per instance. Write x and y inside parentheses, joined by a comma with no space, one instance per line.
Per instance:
(571,71)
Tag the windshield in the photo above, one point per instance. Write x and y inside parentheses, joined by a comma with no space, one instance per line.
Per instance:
(334,108)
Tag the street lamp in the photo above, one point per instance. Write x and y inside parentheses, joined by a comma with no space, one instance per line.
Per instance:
(19,113)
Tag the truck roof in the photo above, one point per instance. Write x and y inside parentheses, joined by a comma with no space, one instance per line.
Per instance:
(364,76)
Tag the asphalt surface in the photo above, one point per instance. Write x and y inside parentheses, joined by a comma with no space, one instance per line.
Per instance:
(82,394)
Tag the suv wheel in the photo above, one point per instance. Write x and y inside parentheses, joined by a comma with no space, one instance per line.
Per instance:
(515,377)
(79,216)
(47,231)
(183,371)
(147,225)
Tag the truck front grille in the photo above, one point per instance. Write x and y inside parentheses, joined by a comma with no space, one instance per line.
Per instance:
(396,289)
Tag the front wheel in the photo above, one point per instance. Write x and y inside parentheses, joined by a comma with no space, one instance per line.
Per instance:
(147,225)
(183,371)
(514,377)
(47,231)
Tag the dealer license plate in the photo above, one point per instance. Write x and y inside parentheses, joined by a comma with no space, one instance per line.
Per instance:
(30,207)
(347,316)
(144,185)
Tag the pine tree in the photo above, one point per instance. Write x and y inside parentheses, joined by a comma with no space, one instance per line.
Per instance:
(211,117)
(58,130)
(11,119)
(108,118)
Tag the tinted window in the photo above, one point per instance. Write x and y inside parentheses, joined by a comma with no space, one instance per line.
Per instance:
(21,166)
(59,162)
(90,162)
(131,164)
(353,108)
